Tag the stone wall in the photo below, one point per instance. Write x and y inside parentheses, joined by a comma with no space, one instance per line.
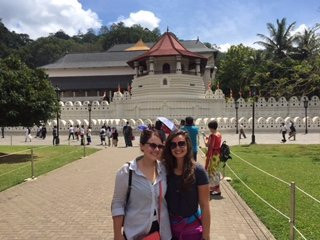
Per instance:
(269,113)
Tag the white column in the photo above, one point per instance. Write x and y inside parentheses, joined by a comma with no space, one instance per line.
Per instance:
(151,66)
(178,66)
(198,66)
(136,69)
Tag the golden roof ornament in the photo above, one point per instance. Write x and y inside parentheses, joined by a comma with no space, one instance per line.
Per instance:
(139,46)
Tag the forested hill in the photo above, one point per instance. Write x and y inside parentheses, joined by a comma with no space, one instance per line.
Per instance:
(287,65)
(46,50)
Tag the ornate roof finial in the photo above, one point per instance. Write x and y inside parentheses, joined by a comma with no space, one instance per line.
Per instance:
(218,85)
(240,93)
(231,93)
(167,29)
(197,39)
(119,90)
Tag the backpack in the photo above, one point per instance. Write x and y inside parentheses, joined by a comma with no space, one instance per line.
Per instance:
(224,153)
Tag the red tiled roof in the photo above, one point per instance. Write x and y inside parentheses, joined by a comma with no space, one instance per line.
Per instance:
(168,45)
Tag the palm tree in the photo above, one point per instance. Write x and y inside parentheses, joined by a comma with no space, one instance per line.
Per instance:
(280,42)
(308,43)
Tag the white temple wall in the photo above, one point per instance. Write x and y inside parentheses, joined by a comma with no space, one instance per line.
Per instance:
(267,117)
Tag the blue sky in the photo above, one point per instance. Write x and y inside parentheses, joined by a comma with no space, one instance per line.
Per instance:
(218,22)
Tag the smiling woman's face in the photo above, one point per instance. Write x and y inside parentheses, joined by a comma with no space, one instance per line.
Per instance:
(150,151)
(178,146)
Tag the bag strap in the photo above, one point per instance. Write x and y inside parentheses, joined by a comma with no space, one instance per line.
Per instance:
(129,183)
(160,201)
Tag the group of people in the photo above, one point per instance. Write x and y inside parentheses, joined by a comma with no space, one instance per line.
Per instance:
(284,130)
(164,193)
(109,133)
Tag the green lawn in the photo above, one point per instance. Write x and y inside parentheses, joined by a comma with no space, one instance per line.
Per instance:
(297,163)
(17,167)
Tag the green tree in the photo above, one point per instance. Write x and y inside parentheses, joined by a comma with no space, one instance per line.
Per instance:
(236,69)
(27,97)
(119,34)
(308,43)
(11,41)
(280,42)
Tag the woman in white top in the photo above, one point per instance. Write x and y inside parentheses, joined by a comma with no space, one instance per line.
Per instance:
(140,216)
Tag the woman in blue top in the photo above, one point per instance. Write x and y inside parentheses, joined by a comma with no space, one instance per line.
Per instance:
(187,189)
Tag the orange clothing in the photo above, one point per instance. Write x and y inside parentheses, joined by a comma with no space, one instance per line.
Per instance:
(214,146)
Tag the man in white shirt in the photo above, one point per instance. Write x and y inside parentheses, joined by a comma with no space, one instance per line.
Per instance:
(283,130)
(71,132)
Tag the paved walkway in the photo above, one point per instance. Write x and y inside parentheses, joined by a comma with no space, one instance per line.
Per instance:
(73,202)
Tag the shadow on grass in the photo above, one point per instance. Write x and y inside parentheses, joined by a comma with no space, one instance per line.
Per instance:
(15,158)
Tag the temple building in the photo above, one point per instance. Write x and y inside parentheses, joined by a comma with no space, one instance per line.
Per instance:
(93,76)
(171,78)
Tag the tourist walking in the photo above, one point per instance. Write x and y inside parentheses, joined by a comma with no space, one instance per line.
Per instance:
(283,131)
(127,133)
(71,132)
(2,132)
(188,189)
(44,132)
(55,135)
(242,133)
(213,142)
(28,134)
(88,133)
(81,131)
(103,135)
(193,134)
(77,131)
(114,137)
(109,135)
(293,131)
(158,128)
(39,132)
(138,206)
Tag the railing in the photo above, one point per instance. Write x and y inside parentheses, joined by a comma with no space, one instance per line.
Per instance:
(168,72)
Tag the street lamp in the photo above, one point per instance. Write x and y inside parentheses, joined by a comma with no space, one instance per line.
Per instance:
(236,105)
(253,88)
(57,89)
(89,109)
(305,104)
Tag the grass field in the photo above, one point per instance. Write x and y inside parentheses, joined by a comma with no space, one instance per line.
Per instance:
(17,167)
(297,163)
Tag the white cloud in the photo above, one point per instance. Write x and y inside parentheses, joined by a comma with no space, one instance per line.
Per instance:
(146,19)
(224,47)
(300,29)
(40,17)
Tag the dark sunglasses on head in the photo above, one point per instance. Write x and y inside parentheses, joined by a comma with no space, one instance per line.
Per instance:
(154,146)
(179,144)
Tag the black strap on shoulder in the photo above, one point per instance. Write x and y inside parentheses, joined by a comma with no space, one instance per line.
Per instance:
(129,183)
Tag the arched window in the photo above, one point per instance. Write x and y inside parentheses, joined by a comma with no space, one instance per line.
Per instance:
(166,68)
(164,81)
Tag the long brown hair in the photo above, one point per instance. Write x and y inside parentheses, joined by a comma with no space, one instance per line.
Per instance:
(170,162)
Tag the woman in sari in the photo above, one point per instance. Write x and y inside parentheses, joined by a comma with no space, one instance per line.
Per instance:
(213,158)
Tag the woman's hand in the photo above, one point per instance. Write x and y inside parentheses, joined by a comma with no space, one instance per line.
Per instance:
(121,237)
